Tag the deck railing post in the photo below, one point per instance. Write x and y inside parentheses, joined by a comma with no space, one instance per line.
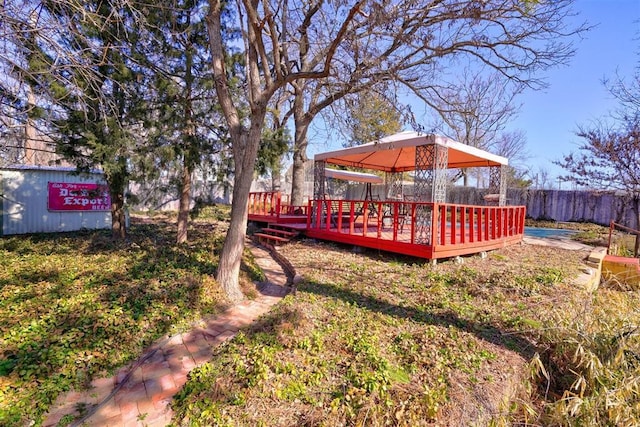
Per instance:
(443,224)
(395,221)
(413,223)
(434,226)
(454,223)
(264,204)
(352,209)
(379,219)
(327,225)
(463,224)
(492,224)
(472,222)
(365,217)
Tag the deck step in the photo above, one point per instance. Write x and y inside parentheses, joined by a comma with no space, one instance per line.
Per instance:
(271,238)
(280,231)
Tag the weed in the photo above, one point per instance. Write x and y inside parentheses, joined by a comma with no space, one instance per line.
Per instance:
(590,374)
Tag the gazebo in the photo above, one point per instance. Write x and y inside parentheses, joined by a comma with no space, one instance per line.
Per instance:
(422,225)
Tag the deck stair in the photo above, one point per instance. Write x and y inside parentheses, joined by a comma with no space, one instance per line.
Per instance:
(276,234)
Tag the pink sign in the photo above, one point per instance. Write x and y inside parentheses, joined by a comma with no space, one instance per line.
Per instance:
(72,196)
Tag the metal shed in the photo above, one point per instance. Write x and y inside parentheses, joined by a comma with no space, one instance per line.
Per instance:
(40,199)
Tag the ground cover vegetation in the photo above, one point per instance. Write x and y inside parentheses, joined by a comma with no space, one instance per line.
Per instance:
(372,339)
(366,338)
(77,306)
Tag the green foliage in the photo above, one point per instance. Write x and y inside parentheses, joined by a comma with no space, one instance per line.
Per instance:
(210,212)
(78,306)
(371,117)
(185,126)
(273,145)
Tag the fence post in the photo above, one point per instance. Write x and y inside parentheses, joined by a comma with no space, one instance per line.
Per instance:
(611,225)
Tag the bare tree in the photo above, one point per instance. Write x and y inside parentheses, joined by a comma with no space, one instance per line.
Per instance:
(413,44)
(267,70)
(626,91)
(512,145)
(609,155)
(608,159)
(476,109)
(542,179)
(326,50)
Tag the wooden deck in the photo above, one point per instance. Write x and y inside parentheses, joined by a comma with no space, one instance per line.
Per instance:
(425,230)
(267,207)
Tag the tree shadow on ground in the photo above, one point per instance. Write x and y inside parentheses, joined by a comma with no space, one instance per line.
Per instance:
(484,331)
(90,315)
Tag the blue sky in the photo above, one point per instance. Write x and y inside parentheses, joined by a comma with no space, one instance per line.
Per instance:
(575,94)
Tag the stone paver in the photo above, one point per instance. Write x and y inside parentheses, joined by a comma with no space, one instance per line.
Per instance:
(142,396)
(589,277)
(562,243)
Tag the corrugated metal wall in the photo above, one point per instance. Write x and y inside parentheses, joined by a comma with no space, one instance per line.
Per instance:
(23,197)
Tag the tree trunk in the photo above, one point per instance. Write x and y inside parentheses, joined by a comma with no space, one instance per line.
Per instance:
(245,144)
(30,157)
(636,247)
(300,143)
(118,217)
(297,178)
(187,155)
(231,255)
(185,202)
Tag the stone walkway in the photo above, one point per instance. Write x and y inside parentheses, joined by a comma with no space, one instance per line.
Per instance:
(589,277)
(140,393)
(557,242)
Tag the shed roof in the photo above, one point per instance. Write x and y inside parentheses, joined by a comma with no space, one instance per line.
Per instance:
(70,169)
(397,153)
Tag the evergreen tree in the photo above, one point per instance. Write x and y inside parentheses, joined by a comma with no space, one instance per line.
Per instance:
(185,125)
(80,64)
(370,117)
(275,143)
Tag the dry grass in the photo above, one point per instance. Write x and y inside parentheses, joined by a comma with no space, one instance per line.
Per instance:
(373,339)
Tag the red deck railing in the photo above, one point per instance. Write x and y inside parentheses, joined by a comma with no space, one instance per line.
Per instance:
(265,203)
(268,205)
(428,230)
(444,229)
